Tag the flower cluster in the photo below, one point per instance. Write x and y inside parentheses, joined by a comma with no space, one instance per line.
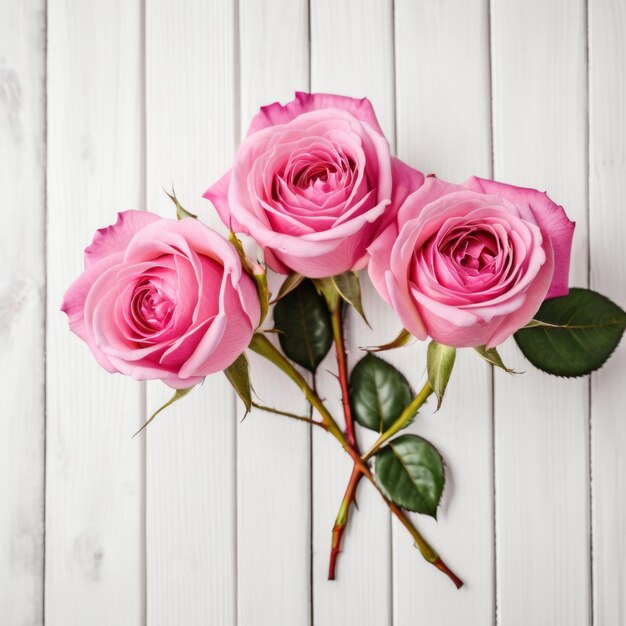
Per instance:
(315,186)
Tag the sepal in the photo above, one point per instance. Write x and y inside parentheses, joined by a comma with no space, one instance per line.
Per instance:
(439,364)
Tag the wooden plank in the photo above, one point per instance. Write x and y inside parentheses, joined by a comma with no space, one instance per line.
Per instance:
(274,478)
(22,310)
(351,54)
(190,138)
(442,60)
(94,524)
(541,422)
(607,224)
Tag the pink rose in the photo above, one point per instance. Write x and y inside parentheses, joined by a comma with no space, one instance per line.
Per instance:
(470,265)
(310,184)
(162,299)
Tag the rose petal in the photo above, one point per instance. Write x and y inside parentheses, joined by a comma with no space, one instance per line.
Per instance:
(552,220)
(116,237)
(276,113)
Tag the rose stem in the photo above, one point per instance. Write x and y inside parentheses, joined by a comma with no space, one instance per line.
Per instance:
(342,365)
(262,346)
(344,510)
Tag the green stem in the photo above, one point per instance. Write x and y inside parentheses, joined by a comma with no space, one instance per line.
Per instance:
(269,409)
(262,346)
(342,516)
(402,421)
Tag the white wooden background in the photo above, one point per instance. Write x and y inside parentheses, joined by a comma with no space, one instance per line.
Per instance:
(208,521)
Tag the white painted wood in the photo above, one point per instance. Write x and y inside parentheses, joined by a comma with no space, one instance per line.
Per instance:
(541,422)
(607,225)
(191,493)
(273,476)
(443,127)
(351,54)
(218,549)
(94,524)
(22,289)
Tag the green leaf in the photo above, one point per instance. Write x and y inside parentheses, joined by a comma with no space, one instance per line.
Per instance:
(178,394)
(574,335)
(378,393)
(238,375)
(349,288)
(304,324)
(289,284)
(402,339)
(181,213)
(492,356)
(439,364)
(410,472)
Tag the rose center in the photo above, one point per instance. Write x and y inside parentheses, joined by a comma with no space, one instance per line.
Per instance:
(476,253)
(152,306)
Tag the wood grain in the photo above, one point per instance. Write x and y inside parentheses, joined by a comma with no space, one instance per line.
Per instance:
(444,127)
(351,54)
(607,225)
(541,422)
(274,478)
(191,449)
(94,493)
(22,310)
(205,520)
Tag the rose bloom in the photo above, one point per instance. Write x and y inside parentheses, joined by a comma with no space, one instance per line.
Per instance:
(310,183)
(162,299)
(470,265)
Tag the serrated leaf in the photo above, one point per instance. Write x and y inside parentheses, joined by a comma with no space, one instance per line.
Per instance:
(305,327)
(181,213)
(439,364)
(289,284)
(492,356)
(178,394)
(238,375)
(349,287)
(403,338)
(410,472)
(379,393)
(573,335)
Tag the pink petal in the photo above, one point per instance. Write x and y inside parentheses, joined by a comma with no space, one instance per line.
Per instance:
(277,113)
(406,180)
(218,195)
(380,259)
(405,308)
(115,238)
(73,305)
(551,218)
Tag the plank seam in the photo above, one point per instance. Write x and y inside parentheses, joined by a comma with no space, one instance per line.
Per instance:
(590,379)
(311,492)
(237,138)
(489,7)
(394,57)
(143,398)
(45,314)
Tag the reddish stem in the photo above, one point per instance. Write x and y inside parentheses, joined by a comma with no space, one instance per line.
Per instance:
(342,520)
(342,366)
(440,565)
